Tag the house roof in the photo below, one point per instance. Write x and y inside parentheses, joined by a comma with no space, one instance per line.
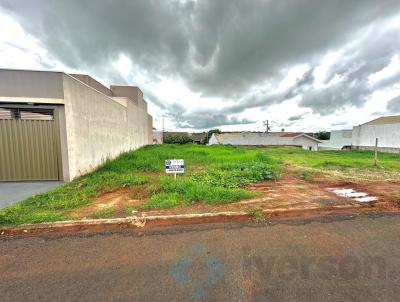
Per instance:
(394,119)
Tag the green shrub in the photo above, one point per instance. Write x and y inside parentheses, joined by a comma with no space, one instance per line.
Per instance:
(180,139)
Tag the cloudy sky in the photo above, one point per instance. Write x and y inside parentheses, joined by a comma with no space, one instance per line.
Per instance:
(304,65)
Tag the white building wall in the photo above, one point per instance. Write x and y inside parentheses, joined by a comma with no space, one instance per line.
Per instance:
(306,143)
(338,140)
(388,135)
(263,139)
(98,127)
(213,140)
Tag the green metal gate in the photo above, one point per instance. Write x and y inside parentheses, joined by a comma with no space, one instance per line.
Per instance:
(28,146)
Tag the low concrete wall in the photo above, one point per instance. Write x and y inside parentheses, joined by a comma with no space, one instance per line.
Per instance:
(99,127)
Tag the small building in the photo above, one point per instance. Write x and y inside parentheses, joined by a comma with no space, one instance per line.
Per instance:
(302,140)
(58,126)
(386,129)
(339,140)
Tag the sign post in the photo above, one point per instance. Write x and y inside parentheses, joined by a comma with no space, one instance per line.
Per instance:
(175,166)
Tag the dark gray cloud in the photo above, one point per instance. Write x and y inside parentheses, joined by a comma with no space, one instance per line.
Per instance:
(202,119)
(295,118)
(235,49)
(394,105)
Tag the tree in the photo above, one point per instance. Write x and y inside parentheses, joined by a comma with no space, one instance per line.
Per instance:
(209,134)
(322,135)
(180,139)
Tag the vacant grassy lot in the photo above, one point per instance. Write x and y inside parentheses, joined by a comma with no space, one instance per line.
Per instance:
(214,174)
(357,166)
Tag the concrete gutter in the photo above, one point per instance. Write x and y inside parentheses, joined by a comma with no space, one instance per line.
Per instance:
(140,222)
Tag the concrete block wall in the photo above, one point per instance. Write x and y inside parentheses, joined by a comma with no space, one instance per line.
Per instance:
(95,122)
(99,127)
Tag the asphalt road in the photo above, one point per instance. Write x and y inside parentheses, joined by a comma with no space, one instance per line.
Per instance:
(332,259)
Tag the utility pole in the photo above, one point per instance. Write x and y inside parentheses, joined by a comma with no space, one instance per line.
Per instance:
(266,124)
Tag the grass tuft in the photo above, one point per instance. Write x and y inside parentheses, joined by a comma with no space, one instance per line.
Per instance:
(103,213)
(257,215)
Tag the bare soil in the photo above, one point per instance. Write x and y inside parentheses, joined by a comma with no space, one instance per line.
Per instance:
(289,193)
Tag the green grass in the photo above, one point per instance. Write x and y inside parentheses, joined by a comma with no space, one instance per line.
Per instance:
(348,165)
(213,174)
(56,204)
(163,200)
(335,159)
(103,213)
(184,191)
(128,209)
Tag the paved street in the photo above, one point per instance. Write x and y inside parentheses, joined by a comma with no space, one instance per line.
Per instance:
(14,191)
(331,259)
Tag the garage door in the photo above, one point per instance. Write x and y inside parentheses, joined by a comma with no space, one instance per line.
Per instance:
(28,145)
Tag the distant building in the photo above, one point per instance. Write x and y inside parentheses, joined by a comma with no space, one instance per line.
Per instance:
(386,129)
(302,140)
(339,140)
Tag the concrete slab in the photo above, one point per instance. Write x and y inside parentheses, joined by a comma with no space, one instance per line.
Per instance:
(12,192)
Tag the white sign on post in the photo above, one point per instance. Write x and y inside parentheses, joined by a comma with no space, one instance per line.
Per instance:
(174,166)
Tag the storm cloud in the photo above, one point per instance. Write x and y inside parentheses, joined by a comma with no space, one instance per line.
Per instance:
(394,105)
(239,52)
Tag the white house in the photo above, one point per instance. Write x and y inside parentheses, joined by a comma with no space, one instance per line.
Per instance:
(386,129)
(340,139)
(265,139)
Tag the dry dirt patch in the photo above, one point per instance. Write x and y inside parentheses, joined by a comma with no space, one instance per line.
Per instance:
(122,201)
(289,193)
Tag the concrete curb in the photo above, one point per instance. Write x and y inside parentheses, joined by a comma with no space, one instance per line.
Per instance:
(138,222)
(69,226)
